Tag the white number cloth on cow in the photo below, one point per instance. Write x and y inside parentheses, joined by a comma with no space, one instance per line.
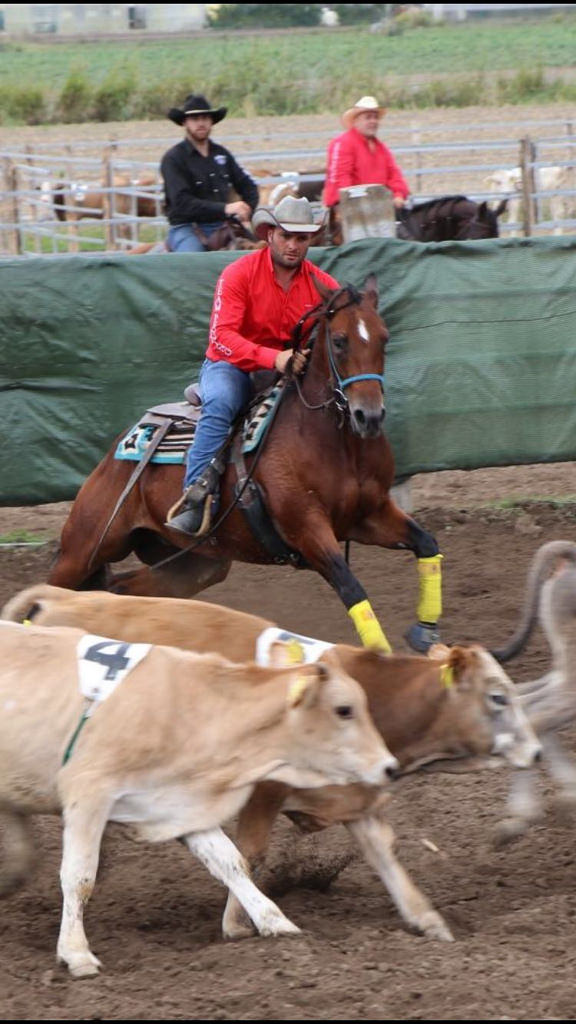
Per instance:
(103,664)
(301,649)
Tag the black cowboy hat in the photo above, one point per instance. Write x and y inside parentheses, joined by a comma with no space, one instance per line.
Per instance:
(196,105)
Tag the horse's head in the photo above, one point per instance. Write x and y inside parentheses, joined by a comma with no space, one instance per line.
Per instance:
(351,344)
(483,223)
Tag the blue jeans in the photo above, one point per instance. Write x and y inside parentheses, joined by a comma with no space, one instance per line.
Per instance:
(225,391)
(183,238)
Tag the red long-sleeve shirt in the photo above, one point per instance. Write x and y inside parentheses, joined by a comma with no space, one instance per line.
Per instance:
(252,316)
(354,160)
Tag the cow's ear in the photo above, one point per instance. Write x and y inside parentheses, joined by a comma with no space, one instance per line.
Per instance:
(305,685)
(439,652)
(299,690)
(460,661)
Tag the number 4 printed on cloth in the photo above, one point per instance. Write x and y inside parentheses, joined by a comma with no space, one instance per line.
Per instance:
(103,664)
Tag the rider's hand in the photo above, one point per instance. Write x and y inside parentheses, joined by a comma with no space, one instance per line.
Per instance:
(299,360)
(239,209)
(399,202)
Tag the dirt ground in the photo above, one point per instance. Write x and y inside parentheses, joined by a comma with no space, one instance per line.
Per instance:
(154,919)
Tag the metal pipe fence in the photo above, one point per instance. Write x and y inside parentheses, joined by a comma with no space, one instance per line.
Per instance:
(32,222)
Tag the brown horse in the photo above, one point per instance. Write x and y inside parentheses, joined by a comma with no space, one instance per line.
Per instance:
(321,475)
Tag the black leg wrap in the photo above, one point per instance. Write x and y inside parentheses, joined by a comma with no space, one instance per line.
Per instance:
(422,543)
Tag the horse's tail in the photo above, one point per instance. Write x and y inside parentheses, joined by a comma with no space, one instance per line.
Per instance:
(29,603)
(547,560)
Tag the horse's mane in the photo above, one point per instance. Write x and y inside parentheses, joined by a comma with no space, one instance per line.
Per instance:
(431,204)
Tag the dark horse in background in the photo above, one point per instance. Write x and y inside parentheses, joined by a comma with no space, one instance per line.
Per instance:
(322,475)
(450,218)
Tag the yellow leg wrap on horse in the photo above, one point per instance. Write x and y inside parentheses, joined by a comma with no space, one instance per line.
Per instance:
(368,627)
(430,602)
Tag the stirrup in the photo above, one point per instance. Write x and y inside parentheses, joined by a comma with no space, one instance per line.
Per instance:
(184,505)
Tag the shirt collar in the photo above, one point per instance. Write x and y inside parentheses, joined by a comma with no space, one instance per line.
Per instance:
(192,148)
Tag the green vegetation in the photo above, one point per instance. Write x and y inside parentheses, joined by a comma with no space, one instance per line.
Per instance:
(15,537)
(291,72)
(92,239)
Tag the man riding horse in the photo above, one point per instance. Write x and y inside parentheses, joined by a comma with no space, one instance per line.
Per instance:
(322,477)
(258,301)
(200,179)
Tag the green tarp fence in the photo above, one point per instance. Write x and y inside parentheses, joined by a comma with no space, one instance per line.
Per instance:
(481,364)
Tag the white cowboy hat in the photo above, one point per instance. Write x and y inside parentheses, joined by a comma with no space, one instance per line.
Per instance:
(291,214)
(363,104)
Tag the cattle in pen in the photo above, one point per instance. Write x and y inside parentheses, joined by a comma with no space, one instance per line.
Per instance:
(552,180)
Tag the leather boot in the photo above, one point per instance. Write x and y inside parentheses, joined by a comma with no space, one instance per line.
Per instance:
(192,512)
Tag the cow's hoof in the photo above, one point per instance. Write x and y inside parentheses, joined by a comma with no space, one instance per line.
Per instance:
(434,927)
(422,636)
(508,831)
(278,925)
(81,966)
(234,931)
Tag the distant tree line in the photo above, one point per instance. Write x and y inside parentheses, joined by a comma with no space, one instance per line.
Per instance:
(304,15)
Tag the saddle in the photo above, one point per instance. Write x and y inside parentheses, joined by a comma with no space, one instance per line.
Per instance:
(166,431)
(232,234)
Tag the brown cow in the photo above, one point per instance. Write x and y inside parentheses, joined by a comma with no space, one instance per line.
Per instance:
(459,707)
(170,744)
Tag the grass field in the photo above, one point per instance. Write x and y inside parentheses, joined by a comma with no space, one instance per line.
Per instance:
(287,73)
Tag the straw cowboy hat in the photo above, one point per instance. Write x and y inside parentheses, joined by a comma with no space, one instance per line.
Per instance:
(291,214)
(364,104)
(194,105)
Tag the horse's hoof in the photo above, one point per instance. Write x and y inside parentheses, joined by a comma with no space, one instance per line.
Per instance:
(421,636)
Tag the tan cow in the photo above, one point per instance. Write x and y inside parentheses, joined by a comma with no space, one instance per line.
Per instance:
(77,200)
(550,700)
(194,625)
(460,706)
(548,179)
(168,743)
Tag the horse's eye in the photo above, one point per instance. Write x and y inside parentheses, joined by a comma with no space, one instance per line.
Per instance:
(345,711)
(340,342)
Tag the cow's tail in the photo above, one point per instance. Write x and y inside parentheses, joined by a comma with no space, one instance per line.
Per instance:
(549,559)
(26,606)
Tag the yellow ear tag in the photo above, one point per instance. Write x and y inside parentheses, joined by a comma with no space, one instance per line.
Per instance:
(446,676)
(295,652)
(297,689)
(27,622)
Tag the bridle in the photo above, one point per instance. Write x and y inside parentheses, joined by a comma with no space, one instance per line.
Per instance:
(327,310)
